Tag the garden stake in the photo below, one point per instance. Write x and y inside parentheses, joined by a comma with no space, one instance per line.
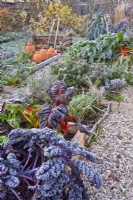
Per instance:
(58,23)
(51,32)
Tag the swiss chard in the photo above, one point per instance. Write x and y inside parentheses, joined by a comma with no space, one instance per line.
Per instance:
(58,115)
(17,113)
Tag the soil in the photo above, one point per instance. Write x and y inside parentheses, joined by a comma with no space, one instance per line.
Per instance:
(5,128)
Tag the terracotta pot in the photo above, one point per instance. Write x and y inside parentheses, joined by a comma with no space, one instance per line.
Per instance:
(37,58)
(51,52)
(30,48)
(43,53)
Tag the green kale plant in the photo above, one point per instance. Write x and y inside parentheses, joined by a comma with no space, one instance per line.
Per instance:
(95,60)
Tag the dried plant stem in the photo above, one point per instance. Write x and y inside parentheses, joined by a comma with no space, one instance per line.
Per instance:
(93,130)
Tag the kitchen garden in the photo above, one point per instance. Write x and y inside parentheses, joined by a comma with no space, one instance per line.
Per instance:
(47,133)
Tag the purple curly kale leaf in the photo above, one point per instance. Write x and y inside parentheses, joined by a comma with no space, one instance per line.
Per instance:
(9,168)
(57,115)
(115,84)
(76,189)
(89,172)
(42,167)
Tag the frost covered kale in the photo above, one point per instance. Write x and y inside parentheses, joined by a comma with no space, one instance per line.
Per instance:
(115,84)
(38,164)
(9,168)
(52,116)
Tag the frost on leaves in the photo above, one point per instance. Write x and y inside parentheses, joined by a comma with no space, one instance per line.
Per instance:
(41,167)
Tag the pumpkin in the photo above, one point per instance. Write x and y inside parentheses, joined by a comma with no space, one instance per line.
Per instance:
(43,53)
(51,52)
(30,48)
(37,58)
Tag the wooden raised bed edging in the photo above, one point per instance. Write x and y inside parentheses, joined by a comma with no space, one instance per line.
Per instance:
(43,64)
(62,42)
(48,61)
(82,138)
(88,138)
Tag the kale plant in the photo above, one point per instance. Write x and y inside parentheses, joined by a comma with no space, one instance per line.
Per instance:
(98,26)
(57,114)
(38,164)
(115,84)
(95,60)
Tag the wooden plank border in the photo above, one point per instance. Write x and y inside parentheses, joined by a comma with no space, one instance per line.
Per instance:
(49,61)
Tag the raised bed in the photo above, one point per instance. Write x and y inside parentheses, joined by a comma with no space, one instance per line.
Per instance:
(31,70)
(49,61)
(82,138)
(62,42)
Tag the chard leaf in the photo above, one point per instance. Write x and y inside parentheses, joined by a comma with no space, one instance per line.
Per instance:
(57,90)
(15,122)
(53,117)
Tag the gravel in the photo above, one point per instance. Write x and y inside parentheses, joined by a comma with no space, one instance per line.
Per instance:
(114,155)
(128,94)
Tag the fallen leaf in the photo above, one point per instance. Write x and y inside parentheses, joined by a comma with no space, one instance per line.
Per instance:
(114,177)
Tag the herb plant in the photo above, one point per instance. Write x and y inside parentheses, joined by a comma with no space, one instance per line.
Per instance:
(87,106)
(38,164)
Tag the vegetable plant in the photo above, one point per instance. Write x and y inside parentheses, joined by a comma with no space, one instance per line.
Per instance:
(18,69)
(100,26)
(87,106)
(124,52)
(95,60)
(57,114)
(38,164)
(53,114)
(19,114)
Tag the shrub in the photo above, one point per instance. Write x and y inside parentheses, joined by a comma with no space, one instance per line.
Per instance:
(6,19)
(54,11)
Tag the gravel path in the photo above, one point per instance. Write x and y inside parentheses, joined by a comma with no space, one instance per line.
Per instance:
(114,152)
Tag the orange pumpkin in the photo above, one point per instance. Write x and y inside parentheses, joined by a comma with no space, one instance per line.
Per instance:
(51,52)
(30,48)
(43,53)
(37,58)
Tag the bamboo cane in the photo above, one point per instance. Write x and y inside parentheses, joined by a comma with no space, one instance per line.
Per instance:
(57,32)
(51,32)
